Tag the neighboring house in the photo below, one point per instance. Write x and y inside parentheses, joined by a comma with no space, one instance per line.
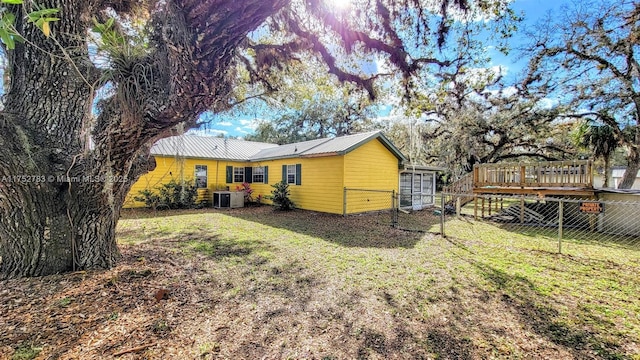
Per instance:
(615,178)
(317,171)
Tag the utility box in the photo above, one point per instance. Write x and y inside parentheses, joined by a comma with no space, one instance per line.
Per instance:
(228,199)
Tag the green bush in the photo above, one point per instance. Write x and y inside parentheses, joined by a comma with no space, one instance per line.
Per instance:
(26,352)
(172,195)
(149,198)
(280,196)
(179,196)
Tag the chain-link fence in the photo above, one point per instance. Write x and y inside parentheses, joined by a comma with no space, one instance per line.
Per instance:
(401,216)
(565,225)
(549,224)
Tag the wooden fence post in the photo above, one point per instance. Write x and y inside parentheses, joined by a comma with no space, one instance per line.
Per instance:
(442,217)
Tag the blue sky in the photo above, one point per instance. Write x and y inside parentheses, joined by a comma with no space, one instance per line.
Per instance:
(532,10)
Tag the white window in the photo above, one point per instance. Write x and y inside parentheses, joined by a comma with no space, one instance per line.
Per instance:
(201,176)
(291,174)
(258,174)
(238,174)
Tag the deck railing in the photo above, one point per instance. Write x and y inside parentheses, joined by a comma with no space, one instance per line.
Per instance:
(576,173)
(462,188)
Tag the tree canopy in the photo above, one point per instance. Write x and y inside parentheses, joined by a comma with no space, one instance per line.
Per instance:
(587,59)
(150,68)
(473,117)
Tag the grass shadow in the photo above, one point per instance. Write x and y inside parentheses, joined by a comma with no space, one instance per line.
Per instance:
(198,242)
(145,213)
(371,230)
(538,314)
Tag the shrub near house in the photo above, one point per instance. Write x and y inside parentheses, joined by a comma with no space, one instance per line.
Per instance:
(280,196)
(172,195)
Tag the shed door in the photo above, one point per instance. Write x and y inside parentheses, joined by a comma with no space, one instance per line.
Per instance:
(416,198)
(416,190)
(427,189)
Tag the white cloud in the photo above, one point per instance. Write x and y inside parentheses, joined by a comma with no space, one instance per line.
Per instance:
(224,123)
(547,103)
(505,92)
(510,91)
(382,65)
(241,130)
(250,125)
(480,74)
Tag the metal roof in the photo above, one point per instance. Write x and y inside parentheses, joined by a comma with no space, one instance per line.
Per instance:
(342,144)
(618,173)
(232,149)
(288,150)
(208,147)
(619,191)
(333,146)
(423,167)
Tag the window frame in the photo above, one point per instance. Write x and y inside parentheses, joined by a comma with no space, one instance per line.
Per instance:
(258,174)
(238,173)
(289,174)
(197,177)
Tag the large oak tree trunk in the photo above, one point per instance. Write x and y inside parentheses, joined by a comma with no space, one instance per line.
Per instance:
(46,229)
(50,223)
(65,173)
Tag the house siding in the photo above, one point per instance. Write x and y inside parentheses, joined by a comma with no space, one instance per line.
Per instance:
(372,167)
(321,185)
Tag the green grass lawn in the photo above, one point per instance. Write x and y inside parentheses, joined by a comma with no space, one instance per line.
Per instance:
(255,283)
(385,291)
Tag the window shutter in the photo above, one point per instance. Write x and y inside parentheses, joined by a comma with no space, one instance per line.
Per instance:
(248,174)
(284,173)
(266,175)
(298,174)
(229,174)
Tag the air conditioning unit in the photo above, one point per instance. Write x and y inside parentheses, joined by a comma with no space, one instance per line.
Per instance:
(228,199)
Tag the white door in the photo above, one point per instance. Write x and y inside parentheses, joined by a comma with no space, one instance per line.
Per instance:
(427,189)
(416,191)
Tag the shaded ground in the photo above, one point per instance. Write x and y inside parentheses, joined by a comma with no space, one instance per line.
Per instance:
(253,283)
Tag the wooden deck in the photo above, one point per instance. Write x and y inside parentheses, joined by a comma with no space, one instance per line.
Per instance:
(540,178)
(490,182)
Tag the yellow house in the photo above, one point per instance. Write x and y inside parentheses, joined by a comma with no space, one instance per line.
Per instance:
(367,165)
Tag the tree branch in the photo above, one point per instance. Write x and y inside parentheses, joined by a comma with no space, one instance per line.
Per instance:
(319,48)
